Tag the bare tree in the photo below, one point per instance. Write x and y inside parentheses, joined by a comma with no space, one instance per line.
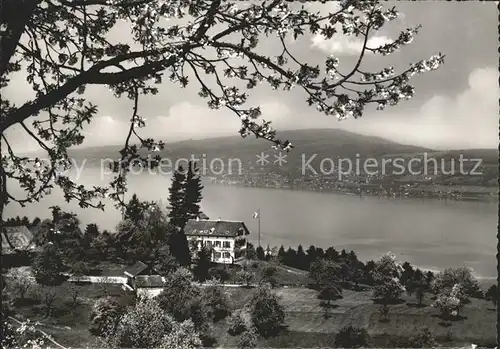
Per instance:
(384,312)
(102,283)
(419,294)
(49,295)
(21,285)
(74,293)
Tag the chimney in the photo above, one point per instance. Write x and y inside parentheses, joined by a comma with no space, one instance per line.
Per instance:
(218,220)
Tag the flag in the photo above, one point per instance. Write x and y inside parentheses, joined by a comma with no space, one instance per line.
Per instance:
(255,215)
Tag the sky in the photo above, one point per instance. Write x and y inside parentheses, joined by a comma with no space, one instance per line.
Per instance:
(455,107)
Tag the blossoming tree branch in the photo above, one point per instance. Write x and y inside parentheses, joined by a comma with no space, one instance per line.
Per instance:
(63,46)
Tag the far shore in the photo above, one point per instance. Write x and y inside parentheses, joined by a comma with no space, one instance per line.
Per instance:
(490,195)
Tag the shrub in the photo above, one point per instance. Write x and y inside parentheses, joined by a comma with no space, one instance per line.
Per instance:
(105,316)
(216,302)
(424,338)
(220,274)
(267,314)
(239,322)
(248,339)
(352,337)
(182,336)
(178,294)
(245,277)
(270,275)
(48,266)
(144,326)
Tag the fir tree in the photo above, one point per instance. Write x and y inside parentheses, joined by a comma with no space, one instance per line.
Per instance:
(134,210)
(192,192)
(48,266)
(179,248)
(176,199)
(281,254)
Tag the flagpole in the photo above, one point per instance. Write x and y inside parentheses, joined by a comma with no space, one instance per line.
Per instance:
(259,224)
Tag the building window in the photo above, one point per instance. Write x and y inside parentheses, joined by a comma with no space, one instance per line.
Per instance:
(217,244)
(209,244)
(217,255)
(227,244)
(226,255)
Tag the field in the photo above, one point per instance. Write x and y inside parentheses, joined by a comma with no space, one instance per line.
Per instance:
(308,327)
(67,326)
(306,324)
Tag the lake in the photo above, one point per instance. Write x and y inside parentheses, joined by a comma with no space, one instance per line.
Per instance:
(431,234)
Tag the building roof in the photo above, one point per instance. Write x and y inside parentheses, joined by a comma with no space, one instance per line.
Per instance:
(143,281)
(215,228)
(16,238)
(136,269)
(202,215)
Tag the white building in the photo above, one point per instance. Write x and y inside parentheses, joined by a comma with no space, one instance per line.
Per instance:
(226,239)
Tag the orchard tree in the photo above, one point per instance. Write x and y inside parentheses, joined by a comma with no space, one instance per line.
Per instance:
(267,313)
(21,284)
(492,294)
(61,47)
(105,316)
(143,326)
(463,276)
(419,294)
(386,275)
(48,266)
(329,293)
(450,302)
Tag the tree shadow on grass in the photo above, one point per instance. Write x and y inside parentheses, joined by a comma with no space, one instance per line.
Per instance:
(445,324)
(449,318)
(26,302)
(416,305)
(388,302)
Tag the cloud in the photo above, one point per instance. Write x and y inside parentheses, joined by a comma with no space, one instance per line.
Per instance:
(183,120)
(341,44)
(466,120)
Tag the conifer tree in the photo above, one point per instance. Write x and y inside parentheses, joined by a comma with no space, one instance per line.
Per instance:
(192,192)
(134,209)
(176,198)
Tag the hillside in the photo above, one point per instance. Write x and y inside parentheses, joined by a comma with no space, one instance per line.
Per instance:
(326,143)
(330,160)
